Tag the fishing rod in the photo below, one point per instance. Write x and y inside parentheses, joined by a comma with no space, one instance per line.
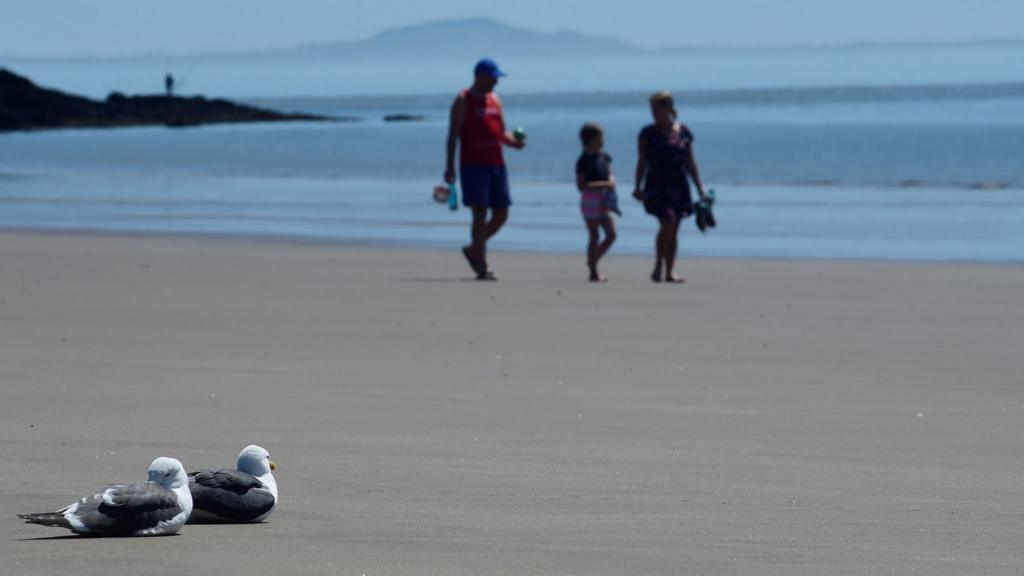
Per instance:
(180,81)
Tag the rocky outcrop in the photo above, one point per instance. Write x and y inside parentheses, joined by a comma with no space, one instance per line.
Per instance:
(404,118)
(25,106)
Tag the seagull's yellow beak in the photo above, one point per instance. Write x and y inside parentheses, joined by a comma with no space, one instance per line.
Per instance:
(272,465)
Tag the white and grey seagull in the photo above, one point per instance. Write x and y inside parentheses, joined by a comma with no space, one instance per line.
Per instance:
(157,507)
(248,494)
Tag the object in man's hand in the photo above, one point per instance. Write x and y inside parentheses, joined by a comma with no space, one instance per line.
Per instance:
(453,196)
(441,193)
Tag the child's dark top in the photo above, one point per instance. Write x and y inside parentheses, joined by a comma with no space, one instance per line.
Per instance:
(594,167)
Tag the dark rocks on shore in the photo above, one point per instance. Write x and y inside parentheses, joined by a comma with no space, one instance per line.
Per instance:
(404,118)
(25,106)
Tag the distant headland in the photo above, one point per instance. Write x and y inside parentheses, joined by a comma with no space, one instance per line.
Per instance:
(463,39)
(26,106)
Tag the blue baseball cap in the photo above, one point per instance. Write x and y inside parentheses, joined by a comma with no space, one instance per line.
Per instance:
(489,67)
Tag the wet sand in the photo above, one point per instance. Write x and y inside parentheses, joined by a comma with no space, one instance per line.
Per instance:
(768,417)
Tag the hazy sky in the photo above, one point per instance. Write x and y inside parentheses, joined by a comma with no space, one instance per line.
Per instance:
(65,27)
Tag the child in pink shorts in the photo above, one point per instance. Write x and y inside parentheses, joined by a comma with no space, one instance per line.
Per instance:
(597,195)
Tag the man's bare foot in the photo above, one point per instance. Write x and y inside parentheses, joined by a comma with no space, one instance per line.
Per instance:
(487,276)
(672,278)
(474,262)
(597,278)
(656,276)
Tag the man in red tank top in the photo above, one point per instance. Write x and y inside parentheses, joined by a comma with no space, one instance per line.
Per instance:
(478,125)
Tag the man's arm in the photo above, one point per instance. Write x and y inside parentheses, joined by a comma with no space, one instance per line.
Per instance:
(507,138)
(454,128)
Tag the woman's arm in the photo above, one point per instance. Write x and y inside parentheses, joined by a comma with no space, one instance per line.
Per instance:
(641,167)
(691,168)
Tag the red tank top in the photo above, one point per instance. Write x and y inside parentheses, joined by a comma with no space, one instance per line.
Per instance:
(482,130)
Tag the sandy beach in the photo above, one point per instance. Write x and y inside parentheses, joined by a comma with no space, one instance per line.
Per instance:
(768,417)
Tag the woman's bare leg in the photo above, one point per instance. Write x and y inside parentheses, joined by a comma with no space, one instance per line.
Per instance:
(667,225)
(671,248)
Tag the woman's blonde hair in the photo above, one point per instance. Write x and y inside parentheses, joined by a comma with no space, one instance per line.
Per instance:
(664,99)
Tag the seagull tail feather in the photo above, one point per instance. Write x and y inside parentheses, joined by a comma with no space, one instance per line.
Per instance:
(46,519)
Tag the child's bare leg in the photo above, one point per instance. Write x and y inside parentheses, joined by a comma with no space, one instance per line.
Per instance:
(608,225)
(593,248)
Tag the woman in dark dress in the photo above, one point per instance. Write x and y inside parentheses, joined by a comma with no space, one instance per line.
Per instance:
(664,167)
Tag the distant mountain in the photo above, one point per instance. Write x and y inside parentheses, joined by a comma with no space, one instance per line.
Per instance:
(468,38)
(475,37)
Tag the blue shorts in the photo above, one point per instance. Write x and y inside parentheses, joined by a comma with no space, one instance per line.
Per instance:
(485,186)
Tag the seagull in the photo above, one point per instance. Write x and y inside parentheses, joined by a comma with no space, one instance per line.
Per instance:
(158,507)
(248,494)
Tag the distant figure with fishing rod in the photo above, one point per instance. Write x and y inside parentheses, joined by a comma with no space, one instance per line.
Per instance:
(478,124)
(172,82)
